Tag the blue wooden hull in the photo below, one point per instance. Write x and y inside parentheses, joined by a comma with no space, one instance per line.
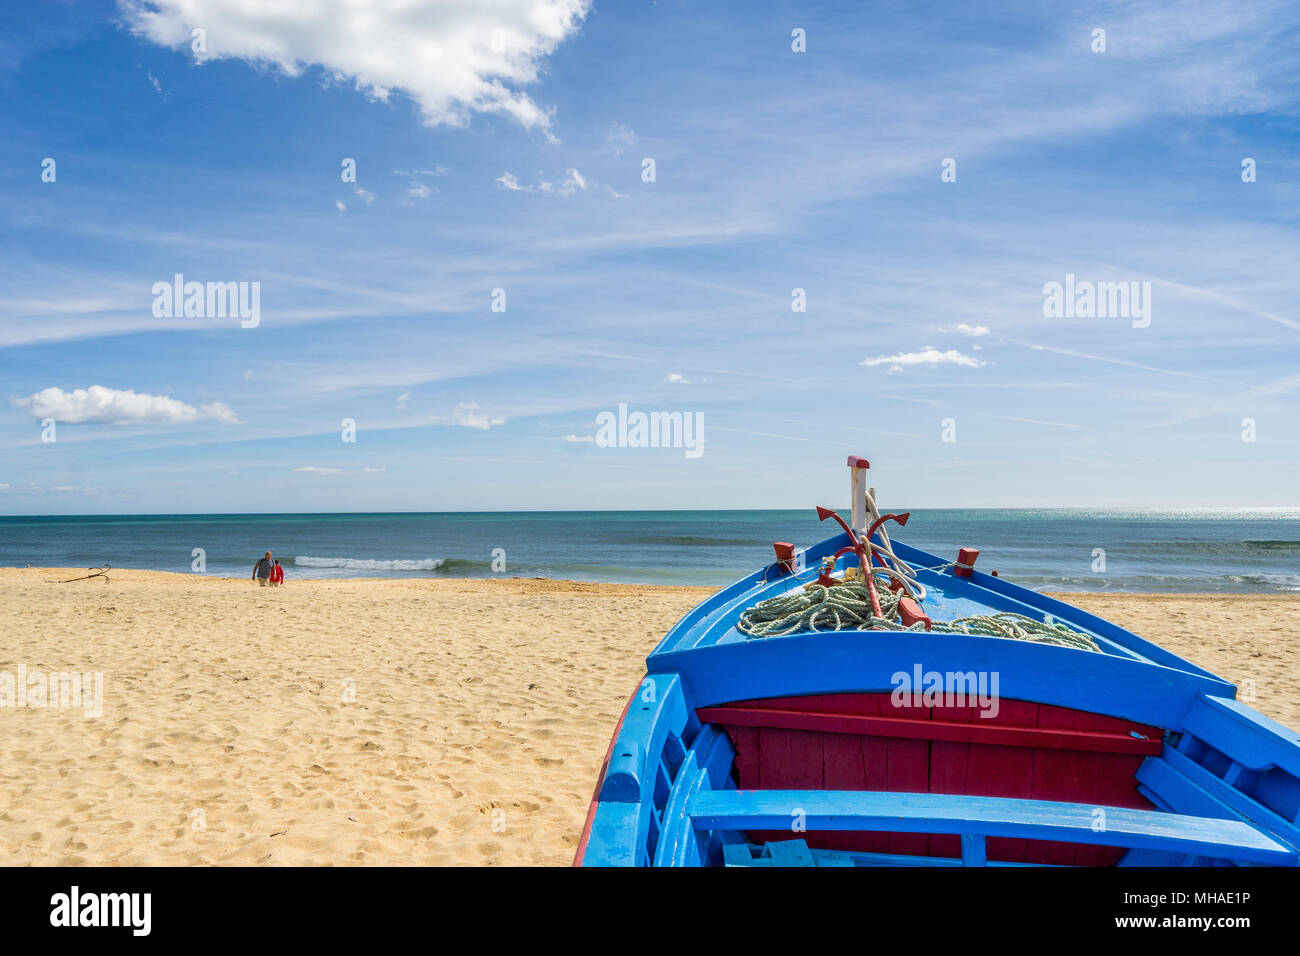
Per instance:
(1215,783)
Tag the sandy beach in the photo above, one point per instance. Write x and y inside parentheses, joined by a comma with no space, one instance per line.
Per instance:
(385,721)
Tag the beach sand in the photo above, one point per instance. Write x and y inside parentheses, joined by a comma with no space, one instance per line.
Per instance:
(381,721)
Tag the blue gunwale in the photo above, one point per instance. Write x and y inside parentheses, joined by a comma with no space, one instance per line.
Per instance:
(865,662)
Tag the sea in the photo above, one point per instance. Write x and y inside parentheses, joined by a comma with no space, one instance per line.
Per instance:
(1243,551)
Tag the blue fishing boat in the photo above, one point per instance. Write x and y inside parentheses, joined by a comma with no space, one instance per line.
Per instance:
(865,703)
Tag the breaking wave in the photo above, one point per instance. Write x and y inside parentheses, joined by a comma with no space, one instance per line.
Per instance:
(367,564)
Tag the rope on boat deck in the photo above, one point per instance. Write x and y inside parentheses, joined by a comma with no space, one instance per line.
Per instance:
(847,606)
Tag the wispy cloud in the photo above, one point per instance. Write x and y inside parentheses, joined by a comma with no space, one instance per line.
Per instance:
(509,180)
(620,138)
(467,415)
(569,183)
(927,356)
(322,470)
(572,181)
(974,331)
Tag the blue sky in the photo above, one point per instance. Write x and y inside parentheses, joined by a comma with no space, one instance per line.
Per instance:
(501,147)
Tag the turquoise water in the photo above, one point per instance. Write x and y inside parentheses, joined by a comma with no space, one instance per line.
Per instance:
(1184,551)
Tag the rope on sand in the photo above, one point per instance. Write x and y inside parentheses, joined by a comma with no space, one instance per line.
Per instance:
(95,573)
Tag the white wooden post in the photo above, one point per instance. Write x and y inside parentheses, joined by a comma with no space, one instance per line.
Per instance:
(858,492)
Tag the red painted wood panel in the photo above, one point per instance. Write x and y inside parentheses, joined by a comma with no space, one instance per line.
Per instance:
(981,731)
(873,755)
(789,759)
(782,758)
(846,766)
(948,765)
(1083,778)
(746,764)
(997,771)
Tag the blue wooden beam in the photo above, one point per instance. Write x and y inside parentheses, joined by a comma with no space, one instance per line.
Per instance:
(973,852)
(984,816)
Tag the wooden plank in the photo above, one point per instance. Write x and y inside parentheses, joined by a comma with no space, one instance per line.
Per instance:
(1105,779)
(789,853)
(976,731)
(679,842)
(1237,802)
(908,771)
(973,851)
(843,769)
(1245,735)
(874,753)
(739,854)
(838,858)
(949,762)
(1000,771)
(1067,717)
(745,740)
(788,759)
(987,816)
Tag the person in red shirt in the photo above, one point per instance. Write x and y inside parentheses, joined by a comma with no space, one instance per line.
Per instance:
(277,575)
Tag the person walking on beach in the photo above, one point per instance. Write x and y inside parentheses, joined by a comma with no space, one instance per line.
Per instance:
(262,570)
(277,575)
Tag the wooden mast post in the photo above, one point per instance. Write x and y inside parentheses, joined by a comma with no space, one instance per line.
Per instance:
(858,492)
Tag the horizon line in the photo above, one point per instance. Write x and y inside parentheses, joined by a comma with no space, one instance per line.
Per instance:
(845,508)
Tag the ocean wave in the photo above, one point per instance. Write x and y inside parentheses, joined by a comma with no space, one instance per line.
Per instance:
(1176,548)
(691,540)
(367,564)
(1279,582)
(1262,583)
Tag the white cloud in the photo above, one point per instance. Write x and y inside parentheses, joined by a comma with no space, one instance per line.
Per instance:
(318,470)
(33,490)
(366,195)
(510,181)
(438,170)
(926,356)
(452,59)
(578,439)
(619,138)
(675,379)
(98,405)
(571,183)
(154,80)
(974,331)
(467,415)
(403,399)
(340,205)
(418,190)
